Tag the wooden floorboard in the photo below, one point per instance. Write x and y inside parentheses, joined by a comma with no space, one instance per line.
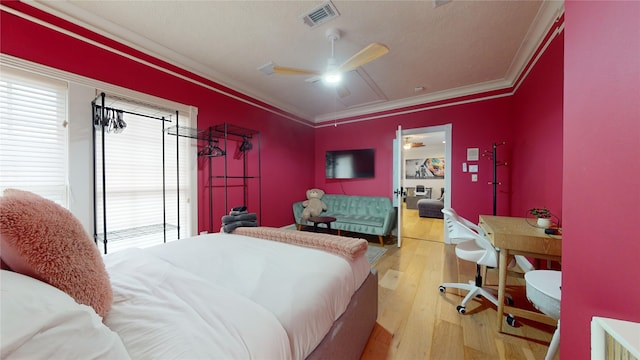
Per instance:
(416,321)
(413,226)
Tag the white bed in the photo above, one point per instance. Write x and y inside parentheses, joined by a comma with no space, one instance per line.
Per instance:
(229,295)
(261,293)
(215,296)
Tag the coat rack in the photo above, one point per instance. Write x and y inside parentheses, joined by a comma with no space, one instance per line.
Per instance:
(493,155)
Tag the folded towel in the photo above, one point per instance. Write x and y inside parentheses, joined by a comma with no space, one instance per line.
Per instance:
(239,208)
(347,247)
(236,224)
(227,219)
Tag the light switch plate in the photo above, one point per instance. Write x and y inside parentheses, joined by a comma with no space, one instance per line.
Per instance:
(464,167)
(473,168)
(474,177)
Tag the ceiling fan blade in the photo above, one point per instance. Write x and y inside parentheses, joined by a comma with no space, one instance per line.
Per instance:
(314,79)
(342,91)
(293,71)
(368,54)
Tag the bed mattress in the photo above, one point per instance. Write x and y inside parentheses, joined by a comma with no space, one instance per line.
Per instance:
(228,296)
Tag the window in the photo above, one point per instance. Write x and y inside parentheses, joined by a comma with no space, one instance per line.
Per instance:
(142,163)
(33,134)
(46,147)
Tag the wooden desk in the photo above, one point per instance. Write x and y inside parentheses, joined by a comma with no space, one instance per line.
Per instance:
(519,236)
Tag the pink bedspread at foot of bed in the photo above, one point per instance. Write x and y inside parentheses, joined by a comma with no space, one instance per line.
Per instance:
(348,247)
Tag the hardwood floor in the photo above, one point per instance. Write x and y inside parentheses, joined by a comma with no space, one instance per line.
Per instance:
(413,226)
(416,321)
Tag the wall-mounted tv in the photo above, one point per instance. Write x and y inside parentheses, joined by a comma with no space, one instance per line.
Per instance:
(350,164)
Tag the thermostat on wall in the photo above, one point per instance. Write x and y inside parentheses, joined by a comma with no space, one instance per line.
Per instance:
(473,154)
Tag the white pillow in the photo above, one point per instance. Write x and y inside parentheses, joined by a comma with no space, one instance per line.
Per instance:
(39,321)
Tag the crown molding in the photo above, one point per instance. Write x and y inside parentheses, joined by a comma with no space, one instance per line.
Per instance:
(528,54)
(417,100)
(71,13)
(548,14)
(69,77)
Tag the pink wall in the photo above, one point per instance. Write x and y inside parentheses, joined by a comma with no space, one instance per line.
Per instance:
(536,166)
(475,124)
(527,121)
(601,247)
(600,127)
(282,139)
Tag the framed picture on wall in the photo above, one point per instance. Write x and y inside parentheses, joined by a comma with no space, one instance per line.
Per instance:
(429,168)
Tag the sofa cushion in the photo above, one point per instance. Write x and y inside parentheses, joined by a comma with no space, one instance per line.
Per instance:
(430,208)
(337,204)
(360,219)
(368,205)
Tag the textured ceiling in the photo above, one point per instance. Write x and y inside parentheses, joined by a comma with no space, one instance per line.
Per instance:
(459,48)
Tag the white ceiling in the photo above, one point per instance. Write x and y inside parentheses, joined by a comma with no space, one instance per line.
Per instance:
(432,144)
(459,48)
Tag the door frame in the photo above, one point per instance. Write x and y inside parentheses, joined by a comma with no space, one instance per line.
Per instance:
(447,129)
(398,190)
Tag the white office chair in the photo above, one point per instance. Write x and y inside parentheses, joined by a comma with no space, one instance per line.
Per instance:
(421,190)
(543,290)
(472,245)
(454,234)
(457,234)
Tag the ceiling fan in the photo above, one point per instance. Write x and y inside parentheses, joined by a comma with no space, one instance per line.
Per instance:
(410,145)
(333,74)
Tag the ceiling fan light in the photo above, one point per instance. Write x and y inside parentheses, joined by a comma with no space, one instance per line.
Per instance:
(332,78)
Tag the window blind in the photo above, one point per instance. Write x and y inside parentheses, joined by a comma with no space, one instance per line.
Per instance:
(33,134)
(142,193)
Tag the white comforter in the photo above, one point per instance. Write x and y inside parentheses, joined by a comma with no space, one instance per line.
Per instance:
(228,296)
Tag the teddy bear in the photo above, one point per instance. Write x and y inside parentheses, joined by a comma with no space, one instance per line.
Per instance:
(314,205)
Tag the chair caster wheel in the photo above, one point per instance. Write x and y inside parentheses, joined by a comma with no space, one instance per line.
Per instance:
(511,320)
(442,289)
(510,301)
(461,309)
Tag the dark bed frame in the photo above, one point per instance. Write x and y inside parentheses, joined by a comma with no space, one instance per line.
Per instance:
(349,334)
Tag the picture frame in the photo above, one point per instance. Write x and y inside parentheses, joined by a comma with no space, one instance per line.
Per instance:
(425,168)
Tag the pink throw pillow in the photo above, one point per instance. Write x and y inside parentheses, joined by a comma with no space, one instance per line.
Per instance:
(41,239)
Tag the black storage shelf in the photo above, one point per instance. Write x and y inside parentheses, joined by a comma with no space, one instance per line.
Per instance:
(223,133)
(188,132)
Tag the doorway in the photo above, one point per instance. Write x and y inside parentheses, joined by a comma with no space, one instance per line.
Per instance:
(425,156)
(421,228)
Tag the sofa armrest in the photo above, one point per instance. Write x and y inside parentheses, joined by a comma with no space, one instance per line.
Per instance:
(297,213)
(389,221)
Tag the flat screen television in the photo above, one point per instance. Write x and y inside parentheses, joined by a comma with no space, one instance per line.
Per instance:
(350,164)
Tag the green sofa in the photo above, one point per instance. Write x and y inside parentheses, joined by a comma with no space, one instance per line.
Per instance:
(374,215)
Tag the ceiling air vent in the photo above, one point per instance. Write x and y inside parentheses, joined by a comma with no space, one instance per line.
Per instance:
(320,14)
(437,3)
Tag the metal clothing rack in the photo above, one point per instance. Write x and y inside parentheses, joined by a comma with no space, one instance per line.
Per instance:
(101,110)
(228,132)
(213,136)
(493,155)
